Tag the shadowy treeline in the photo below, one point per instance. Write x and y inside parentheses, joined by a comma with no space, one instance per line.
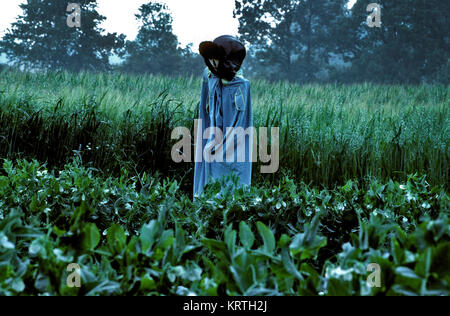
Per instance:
(42,39)
(295,40)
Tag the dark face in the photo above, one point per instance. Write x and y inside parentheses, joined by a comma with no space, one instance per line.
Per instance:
(224,69)
(228,69)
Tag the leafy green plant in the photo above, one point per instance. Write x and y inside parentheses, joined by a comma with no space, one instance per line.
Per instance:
(140,235)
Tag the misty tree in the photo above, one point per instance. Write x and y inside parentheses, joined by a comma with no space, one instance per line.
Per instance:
(156,48)
(411,46)
(289,39)
(42,39)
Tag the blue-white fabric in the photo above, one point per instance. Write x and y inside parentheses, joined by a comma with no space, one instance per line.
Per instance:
(223,104)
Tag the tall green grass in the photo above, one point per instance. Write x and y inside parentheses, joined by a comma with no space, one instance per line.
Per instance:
(329,133)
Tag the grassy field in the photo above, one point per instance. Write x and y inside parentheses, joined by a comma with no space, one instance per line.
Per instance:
(328,134)
(87,178)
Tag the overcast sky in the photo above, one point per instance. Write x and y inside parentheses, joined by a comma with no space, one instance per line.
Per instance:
(194,20)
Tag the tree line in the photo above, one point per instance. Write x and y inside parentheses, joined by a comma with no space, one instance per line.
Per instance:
(295,40)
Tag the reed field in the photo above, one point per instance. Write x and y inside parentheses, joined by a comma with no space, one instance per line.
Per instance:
(328,133)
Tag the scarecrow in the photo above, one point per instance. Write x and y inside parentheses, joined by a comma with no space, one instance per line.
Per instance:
(224,140)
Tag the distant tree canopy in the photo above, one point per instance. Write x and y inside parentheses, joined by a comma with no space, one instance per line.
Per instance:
(411,46)
(306,40)
(41,38)
(295,40)
(289,39)
(156,48)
